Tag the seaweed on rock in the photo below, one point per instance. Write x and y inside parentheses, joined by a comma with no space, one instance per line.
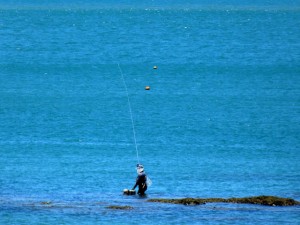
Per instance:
(126,207)
(262,200)
(265,200)
(183,201)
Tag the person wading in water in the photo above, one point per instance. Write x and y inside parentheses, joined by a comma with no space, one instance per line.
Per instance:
(141,179)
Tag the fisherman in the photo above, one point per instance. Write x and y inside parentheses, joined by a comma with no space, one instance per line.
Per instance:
(141,179)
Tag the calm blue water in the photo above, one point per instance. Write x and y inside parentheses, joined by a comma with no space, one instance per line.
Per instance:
(222,118)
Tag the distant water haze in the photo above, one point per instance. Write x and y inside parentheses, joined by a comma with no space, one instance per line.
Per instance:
(189,4)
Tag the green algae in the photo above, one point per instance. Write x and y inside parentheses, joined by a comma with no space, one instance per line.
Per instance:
(126,207)
(261,200)
(265,200)
(183,201)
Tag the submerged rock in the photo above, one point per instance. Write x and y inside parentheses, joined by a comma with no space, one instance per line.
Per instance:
(265,200)
(125,207)
(46,203)
(183,201)
(262,200)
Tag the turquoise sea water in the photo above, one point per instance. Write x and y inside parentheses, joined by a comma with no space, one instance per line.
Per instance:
(221,119)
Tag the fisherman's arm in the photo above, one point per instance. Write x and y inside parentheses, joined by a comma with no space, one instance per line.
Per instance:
(137,182)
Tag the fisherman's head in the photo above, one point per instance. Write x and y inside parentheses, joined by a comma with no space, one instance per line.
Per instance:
(139,168)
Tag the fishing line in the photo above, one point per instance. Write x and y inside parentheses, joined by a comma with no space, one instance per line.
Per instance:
(130,112)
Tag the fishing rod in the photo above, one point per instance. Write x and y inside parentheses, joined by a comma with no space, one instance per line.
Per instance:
(130,112)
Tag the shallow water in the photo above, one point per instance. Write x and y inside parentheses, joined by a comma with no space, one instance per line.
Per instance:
(221,118)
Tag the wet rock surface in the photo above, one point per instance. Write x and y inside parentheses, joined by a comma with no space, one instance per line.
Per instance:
(119,207)
(261,200)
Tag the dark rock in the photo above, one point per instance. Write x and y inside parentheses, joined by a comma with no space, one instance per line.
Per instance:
(262,200)
(46,203)
(126,207)
(184,201)
(265,200)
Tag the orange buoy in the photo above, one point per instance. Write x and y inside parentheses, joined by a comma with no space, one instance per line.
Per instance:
(155,67)
(147,88)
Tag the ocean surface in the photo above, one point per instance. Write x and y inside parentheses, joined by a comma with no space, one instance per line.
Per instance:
(222,118)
